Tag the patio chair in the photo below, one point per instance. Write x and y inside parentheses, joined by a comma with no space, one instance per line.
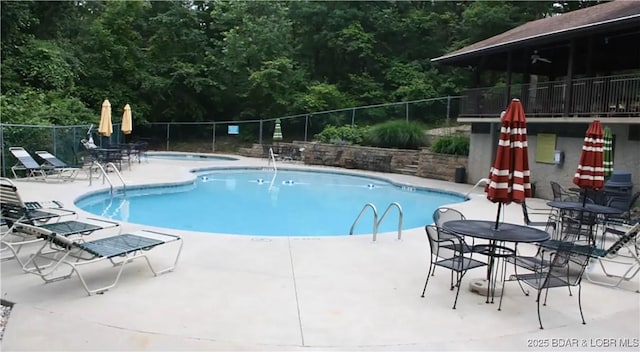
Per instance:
(61,168)
(119,250)
(630,260)
(27,164)
(446,252)
(559,193)
(548,213)
(565,269)
(444,214)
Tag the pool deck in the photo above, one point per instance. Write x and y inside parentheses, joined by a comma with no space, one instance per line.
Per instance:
(287,293)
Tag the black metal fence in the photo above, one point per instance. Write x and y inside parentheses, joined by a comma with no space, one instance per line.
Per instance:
(611,96)
(218,136)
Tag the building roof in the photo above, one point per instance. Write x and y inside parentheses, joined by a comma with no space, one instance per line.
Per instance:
(551,28)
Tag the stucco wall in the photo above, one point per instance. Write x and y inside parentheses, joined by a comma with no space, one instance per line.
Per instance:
(626,158)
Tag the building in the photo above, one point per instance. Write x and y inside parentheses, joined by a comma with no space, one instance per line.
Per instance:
(567,70)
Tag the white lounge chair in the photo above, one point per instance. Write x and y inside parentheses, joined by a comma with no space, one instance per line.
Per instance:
(119,250)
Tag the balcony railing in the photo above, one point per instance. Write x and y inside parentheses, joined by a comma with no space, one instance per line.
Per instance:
(612,96)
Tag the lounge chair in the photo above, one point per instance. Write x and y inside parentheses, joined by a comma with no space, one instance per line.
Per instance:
(61,168)
(27,164)
(629,260)
(15,212)
(119,250)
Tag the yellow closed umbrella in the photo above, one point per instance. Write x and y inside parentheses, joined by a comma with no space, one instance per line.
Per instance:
(105,128)
(126,120)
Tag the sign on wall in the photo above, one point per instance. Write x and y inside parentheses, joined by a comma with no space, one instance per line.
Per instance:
(545,148)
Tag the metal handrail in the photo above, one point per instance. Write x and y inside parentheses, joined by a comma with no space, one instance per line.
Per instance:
(400,216)
(272,157)
(482,180)
(106,177)
(375,219)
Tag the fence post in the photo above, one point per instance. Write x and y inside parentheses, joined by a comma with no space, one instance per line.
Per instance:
(448,108)
(53,137)
(167,149)
(306,126)
(213,143)
(406,111)
(2,160)
(260,133)
(353,117)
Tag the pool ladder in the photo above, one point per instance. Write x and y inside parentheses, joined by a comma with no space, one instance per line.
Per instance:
(376,222)
(481,181)
(103,170)
(272,159)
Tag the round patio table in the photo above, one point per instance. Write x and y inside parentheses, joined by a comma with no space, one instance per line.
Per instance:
(590,207)
(506,232)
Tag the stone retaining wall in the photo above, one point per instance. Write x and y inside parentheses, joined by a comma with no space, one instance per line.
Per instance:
(425,163)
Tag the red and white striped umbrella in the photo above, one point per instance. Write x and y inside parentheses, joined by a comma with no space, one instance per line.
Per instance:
(510,176)
(590,172)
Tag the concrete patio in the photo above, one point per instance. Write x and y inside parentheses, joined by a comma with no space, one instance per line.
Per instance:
(293,293)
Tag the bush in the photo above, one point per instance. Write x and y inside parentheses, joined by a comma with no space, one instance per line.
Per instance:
(453,145)
(342,134)
(396,134)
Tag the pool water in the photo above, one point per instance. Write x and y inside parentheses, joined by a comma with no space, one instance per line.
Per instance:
(264,203)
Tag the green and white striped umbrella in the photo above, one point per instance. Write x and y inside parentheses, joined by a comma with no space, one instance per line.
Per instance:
(277,131)
(608,152)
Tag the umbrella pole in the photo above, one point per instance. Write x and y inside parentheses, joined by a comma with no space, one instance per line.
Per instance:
(498,215)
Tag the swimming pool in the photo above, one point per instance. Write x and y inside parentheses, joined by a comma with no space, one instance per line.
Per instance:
(188,156)
(268,203)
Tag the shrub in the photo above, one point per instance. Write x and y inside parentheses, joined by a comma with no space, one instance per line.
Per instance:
(396,134)
(343,134)
(453,145)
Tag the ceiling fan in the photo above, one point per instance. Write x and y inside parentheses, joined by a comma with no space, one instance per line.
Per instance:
(535,57)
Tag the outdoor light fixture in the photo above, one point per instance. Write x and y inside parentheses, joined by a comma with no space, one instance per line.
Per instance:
(558,157)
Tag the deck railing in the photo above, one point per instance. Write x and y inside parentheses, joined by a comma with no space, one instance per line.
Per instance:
(611,96)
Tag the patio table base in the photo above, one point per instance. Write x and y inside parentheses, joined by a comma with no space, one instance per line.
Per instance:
(481,286)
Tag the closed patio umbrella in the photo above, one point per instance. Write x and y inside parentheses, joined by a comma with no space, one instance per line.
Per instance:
(510,176)
(277,131)
(127,124)
(126,120)
(590,172)
(608,153)
(105,128)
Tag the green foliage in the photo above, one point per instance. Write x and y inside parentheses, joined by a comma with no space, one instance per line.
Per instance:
(223,60)
(38,108)
(343,134)
(39,64)
(452,145)
(323,96)
(396,134)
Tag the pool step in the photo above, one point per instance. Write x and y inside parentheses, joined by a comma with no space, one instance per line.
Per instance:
(411,169)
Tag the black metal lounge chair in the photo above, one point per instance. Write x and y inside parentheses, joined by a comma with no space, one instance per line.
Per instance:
(61,168)
(119,250)
(27,164)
